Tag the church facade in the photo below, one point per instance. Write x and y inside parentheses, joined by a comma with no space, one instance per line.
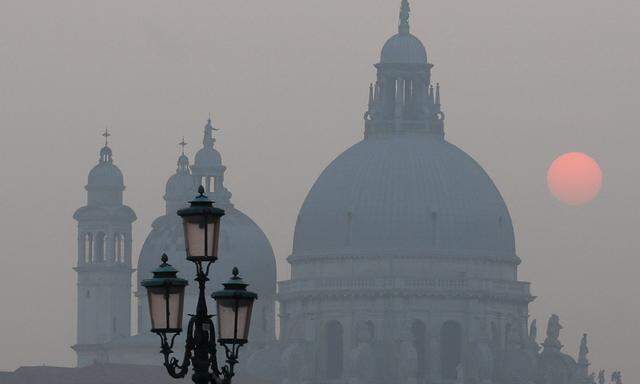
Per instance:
(403,269)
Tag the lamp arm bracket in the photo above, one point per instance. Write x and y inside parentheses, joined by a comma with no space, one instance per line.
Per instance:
(209,264)
(174,368)
(213,352)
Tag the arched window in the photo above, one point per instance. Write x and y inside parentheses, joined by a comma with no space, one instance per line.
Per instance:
(451,349)
(419,339)
(88,247)
(209,184)
(333,350)
(119,247)
(100,248)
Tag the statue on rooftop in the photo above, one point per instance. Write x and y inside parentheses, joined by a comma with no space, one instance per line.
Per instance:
(584,350)
(552,341)
(616,377)
(533,331)
(601,378)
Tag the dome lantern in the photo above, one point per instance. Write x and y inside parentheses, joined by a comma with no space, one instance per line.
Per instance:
(181,186)
(105,153)
(208,169)
(402,100)
(405,9)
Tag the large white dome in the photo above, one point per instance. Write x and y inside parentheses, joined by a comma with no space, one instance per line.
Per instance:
(405,195)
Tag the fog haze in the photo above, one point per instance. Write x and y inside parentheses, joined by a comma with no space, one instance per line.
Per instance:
(286,82)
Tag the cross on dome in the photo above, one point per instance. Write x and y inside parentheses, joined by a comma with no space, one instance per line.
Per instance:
(182,144)
(106,135)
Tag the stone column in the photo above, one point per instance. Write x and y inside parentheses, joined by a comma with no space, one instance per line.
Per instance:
(81,250)
(127,248)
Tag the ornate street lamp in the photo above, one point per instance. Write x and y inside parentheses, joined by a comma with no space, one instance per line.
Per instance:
(234,304)
(166,302)
(166,298)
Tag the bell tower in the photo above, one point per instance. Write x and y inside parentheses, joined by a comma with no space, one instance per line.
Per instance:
(104,261)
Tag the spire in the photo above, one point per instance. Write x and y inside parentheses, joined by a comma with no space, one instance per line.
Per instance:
(405,9)
(208,134)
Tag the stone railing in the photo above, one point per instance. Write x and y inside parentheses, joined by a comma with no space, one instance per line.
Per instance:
(402,286)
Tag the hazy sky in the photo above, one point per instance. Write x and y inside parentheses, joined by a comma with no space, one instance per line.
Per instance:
(287,82)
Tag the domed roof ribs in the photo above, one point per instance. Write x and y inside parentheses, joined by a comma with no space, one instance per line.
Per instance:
(405,10)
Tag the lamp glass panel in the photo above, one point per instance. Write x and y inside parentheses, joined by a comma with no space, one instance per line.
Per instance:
(194,230)
(230,311)
(158,307)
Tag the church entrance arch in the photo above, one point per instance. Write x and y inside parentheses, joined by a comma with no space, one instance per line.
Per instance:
(419,339)
(450,349)
(333,350)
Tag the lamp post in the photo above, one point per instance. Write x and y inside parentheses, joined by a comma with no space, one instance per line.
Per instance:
(165,291)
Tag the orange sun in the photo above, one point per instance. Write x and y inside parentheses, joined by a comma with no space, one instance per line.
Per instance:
(574,178)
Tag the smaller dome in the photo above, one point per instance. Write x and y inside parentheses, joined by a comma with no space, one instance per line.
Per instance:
(180,187)
(403,49)
(208,157)
(105,175)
